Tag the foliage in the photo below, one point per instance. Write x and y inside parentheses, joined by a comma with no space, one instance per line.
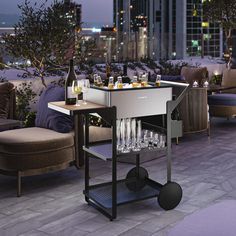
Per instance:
(3,79)
(97,121)
(2,66)
(131,66)
(216,79)
(139,65)
(100,68)
(30,119)
(223,12)
(84,50)
(150,63)
(24,95)
(60,82)
(115,68)
(168,68)
(42,36)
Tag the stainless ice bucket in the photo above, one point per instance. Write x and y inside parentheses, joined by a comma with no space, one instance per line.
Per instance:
(133,102)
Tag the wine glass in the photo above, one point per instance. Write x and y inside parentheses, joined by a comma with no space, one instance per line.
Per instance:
(76,89)
(158,81)
(95,79)
(135,81)
(85,88)
(156,140)
(111,83)
(144,80)
(145,143)
(119,82)
(99,81)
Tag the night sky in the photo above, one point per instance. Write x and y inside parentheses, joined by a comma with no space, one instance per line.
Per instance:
(93,10)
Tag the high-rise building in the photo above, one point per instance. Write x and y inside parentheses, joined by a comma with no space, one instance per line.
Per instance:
(130,20)
(73,11)
(171,29)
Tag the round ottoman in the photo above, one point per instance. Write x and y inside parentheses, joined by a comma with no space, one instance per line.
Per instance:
(32,151)
(216,220)
(222,105)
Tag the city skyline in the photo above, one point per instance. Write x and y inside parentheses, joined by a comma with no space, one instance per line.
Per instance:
(91,11)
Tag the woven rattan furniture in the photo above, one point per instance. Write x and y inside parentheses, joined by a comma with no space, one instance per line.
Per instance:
(8,107)
(223,102)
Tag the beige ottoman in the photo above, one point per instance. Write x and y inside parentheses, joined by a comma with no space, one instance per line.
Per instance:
(32,151)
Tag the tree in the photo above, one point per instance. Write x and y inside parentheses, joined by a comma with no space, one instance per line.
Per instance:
(223,12)
(85,50)
(43,36)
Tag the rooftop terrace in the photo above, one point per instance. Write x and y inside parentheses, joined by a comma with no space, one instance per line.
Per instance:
(53,204)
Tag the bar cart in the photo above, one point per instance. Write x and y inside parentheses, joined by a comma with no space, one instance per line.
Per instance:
(123,103)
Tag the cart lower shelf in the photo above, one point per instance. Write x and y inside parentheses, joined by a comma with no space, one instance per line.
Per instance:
(104,151)
(102,194)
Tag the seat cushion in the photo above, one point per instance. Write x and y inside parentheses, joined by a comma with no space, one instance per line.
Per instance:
(33,140)
(216,220)
(48,118)
(222,99)
(5,90)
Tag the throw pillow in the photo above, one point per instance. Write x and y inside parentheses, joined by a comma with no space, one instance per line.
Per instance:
(5,91)
(48,118)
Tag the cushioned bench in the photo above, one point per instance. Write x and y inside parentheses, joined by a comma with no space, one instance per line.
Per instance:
(222,105)
(32,151)
(48,147)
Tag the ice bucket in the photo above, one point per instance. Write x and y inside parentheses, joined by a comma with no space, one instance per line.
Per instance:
(133,102)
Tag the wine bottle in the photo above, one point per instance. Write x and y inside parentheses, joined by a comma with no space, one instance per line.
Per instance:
(70,98)
(125,69)
(125,77)
(108,71)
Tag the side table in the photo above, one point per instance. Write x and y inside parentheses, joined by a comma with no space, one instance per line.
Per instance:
(77,112)
(194,111)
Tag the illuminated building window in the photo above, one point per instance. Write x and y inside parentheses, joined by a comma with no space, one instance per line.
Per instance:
(195,43)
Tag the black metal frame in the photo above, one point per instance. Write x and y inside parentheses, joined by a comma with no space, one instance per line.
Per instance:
(110,114)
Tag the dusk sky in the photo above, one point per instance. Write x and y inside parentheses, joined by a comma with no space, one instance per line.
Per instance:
(93,10)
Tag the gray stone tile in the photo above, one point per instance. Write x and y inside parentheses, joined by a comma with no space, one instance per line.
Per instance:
(162,232)
(158,222)
(19,206)
(72,231)
(136,232)
(16,218)
(34,233)
(93,224)
(206,197)
(54,204)
(66,222)
(115,228)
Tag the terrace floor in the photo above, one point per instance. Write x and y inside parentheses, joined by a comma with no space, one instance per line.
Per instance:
(53,204)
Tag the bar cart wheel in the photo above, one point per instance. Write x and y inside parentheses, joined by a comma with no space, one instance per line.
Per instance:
(170,196)
(136,179)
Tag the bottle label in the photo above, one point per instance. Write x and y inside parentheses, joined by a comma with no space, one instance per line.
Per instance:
(69,93)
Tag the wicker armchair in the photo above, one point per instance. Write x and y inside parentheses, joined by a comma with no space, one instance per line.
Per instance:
(8,107)
(224,104)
